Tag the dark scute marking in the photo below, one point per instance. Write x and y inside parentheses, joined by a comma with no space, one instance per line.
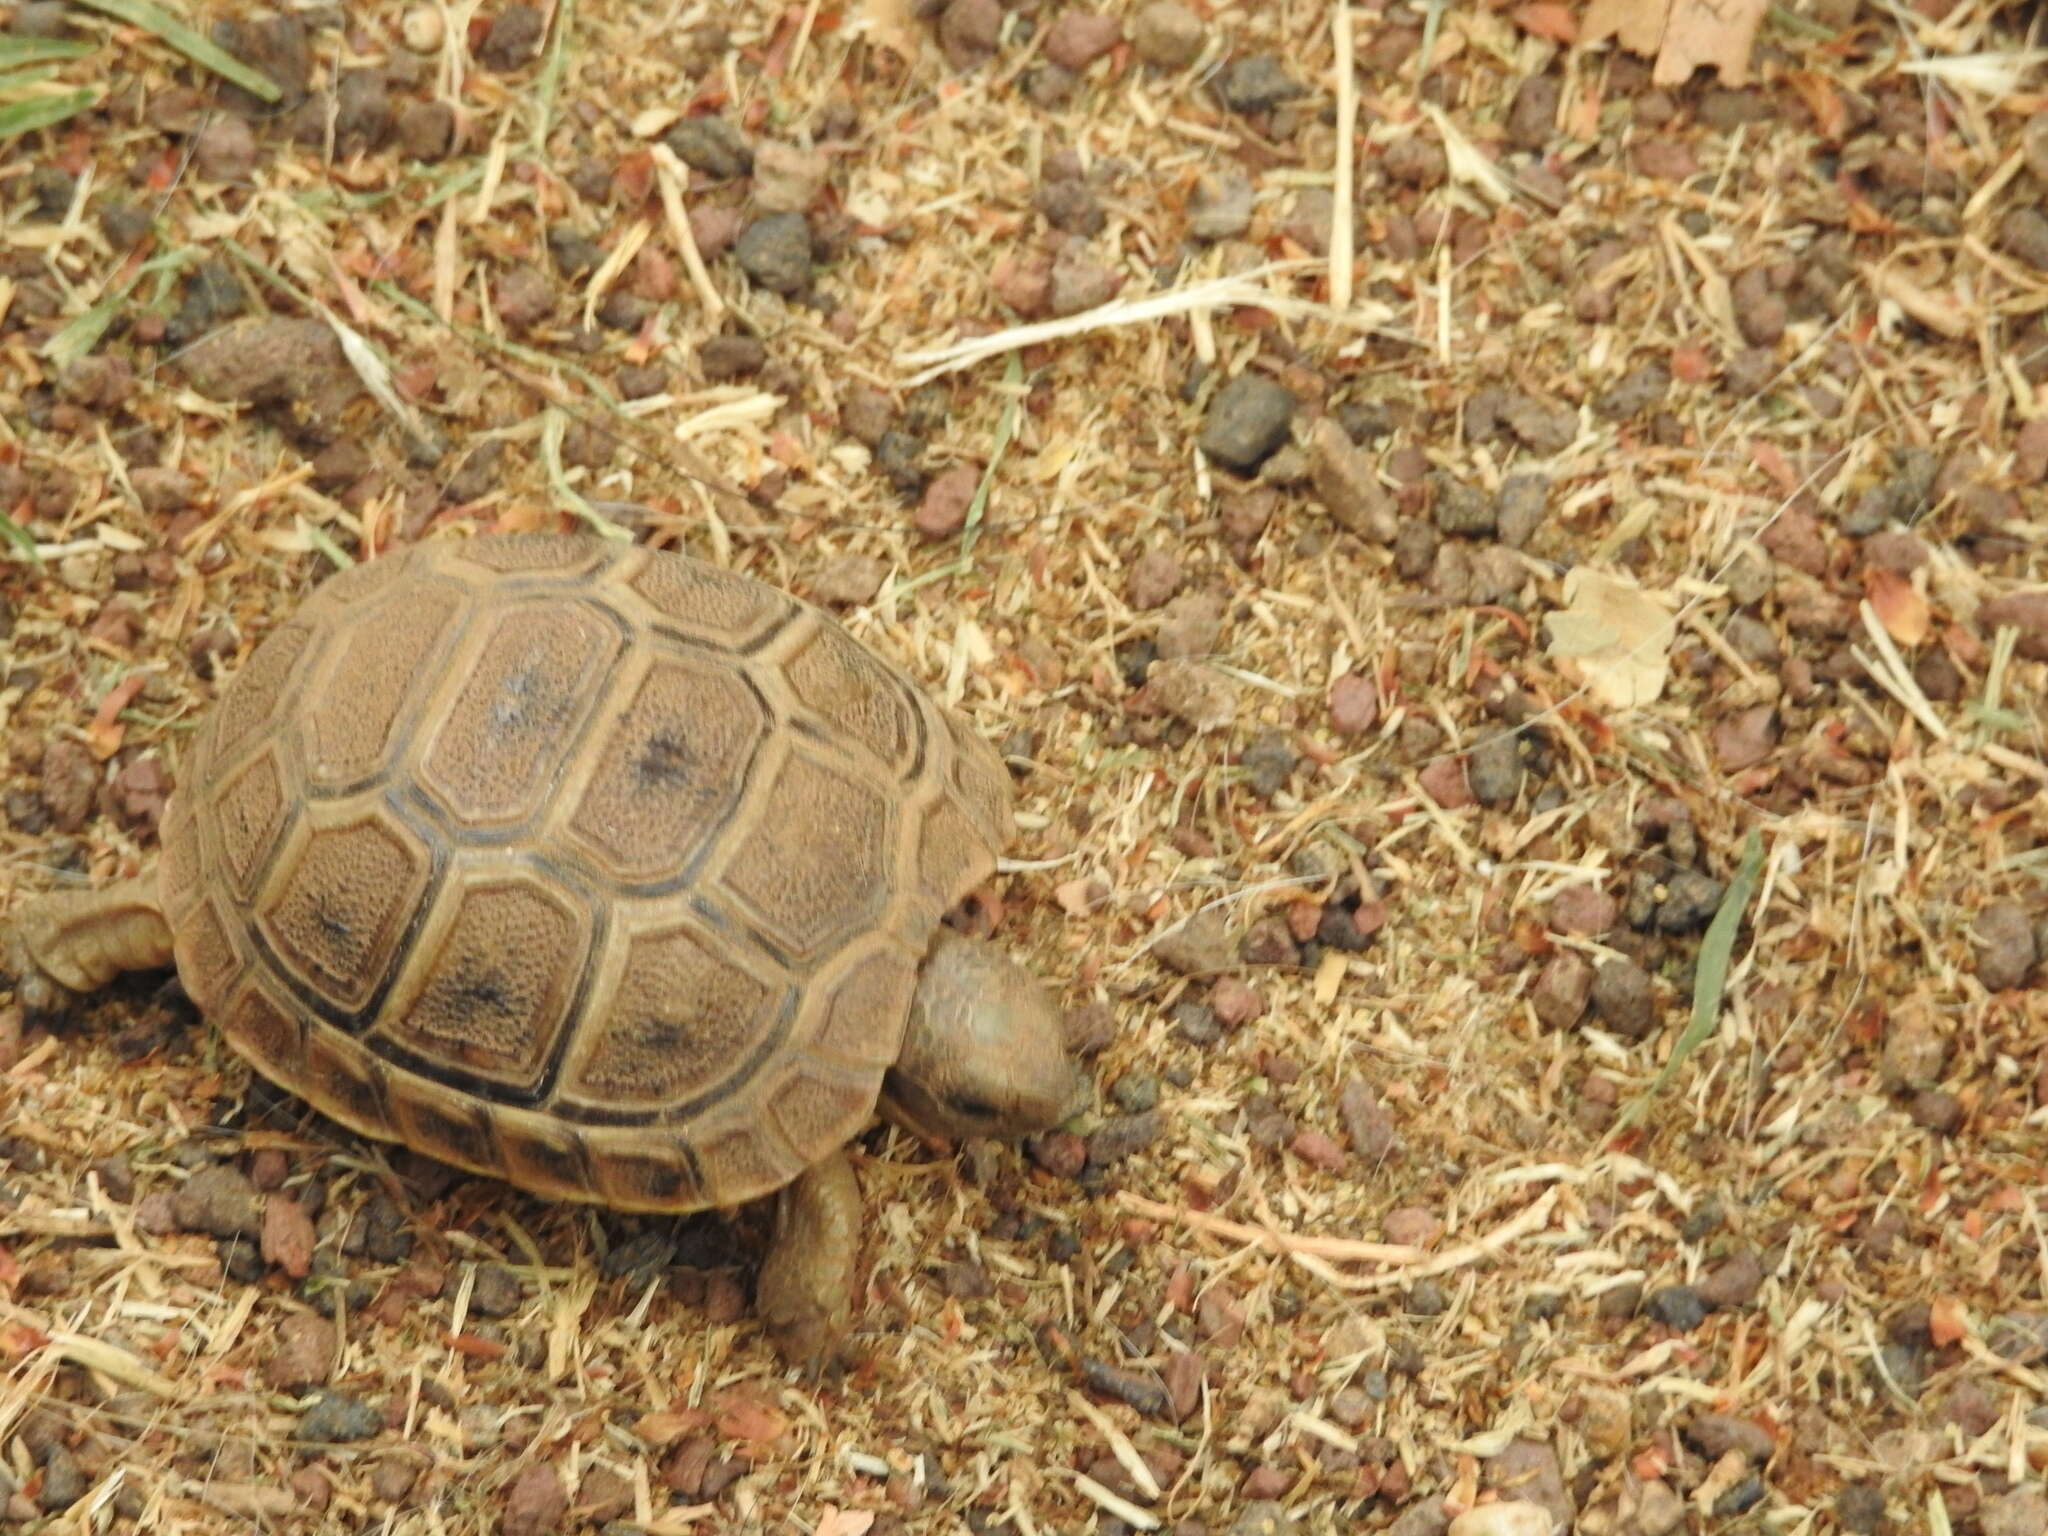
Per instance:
(652,1180)
(464,1139)
(272,1037)
(535,1160)
(346,1083)
(342,912)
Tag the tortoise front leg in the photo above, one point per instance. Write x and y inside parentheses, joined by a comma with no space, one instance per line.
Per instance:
(805,1294)
(78,941)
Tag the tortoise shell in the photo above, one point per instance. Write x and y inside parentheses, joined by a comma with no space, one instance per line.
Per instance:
(585,866)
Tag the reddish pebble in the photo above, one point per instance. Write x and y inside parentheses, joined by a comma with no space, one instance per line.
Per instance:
(1304,918)
(1234,1003)
(943,512)
(1584,909)
(1320,1150)
(1182,1375)
(1412,1226)
(1354,705)
(1444,782)
(1563,989)
(1267,1482)
(2030,451)
(1059,1152)
(1079,38)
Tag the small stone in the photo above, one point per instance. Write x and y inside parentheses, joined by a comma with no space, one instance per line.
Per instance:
(338,1417)
(1366,1122)
(524,297)
(1936,1109)
(1463,511)
(788,179)
(2005,943)
(1193,692)
(1168,33)
(1425,1517)
(850,581)
(1220,206)
(1415,161)
(2025,611)
(1182,1376)
(1264,1517)
(1069,205)
(1659,1510)
(1624,997)
(1691,902)
(1235,1003)
(943,511)
(2024,232)
(1354,705)
(868,414)
(1563,989)
(1532,116)
(1060,1153)
(1024,282)
(1080,282)
(1270,761)
(1154,578)
(1259,84)
(969,31)
(1348,485)
(1520,508)
(2021,1512)
(1078,38)
(392,1480)
(731,357)
(1191,626)
(1136,1092)
(219,1201)
(536,1503)
(1734,1282)
(1319,1150)
(64,1480)
(1635,393)
(1915,1053)
(305,1353)
(70,781)
(225,149)
(1504,1517)
(1120,1136)
(1714,1435)
(711,145)
(1495,767)
(775,251)
(1860,1508)
(496,1292)
(1677,1307)
(288,1236)
(1585,910)
(1445,781)
(1746,739)
(1413,1227)
(513,39)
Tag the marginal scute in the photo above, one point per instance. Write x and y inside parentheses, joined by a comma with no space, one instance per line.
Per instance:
(272,1037)
(364,579)
(344,1081)
(667,773)
(651,1176)
(816,1113)
(207,961)
(680,1020)
(744,1164)
(444,1125)
(366,687)
(547,1157)
(247,813)
(531,682)
(257,698)
(845,686)
(982,781)
(510,554)
(811,865)
(336,910)
(952,856)
(705,601)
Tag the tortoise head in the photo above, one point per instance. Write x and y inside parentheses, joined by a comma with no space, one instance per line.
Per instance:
(986,1052)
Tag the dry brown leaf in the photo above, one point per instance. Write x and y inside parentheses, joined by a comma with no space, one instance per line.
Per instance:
(1618,636)
(1715,32)
(1638,25)
(1899,606)
(845,1522)
(747,1418)
(1549,20)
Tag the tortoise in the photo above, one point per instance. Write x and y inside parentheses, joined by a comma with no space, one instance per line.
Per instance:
(600,870)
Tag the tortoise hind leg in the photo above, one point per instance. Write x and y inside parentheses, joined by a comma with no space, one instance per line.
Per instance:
(78,941)
(805,1293)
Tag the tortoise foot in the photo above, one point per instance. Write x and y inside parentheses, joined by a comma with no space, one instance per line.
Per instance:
(72,942)
(805,1294)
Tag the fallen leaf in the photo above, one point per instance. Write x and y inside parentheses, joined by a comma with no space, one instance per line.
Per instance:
(1719,33)
(1638,25)
(1618,636)
(746,1418)
(1898,605)
(1946,1321)
(844,1522)
(1543,19)
(665,1427)
(1822,100)
(105,733)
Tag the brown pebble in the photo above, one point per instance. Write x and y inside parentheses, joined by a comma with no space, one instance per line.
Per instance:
(304,1354)
(1234,1002)
(1412,1226)
(1915,1053)
(1624,997)
(1183,1375)
(219,1201)
(1319,1150)
(537,1502)
(288,1235)
(1060,1153)
(1266,1481)
(392,1480)
(1366,1121)
(523,297)
(2005,943)
(1444,780)
(850,581)
(1138,1391)
(1078,38)
(1746,739)
(1154,577)
(943,512)
(1354,704)
(1584,909)
(1734,1282)
(309,1485)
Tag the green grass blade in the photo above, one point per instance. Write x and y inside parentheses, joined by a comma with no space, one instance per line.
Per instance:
(161,24)
(1710,975)
(17,51)
(19,117)
(13,533)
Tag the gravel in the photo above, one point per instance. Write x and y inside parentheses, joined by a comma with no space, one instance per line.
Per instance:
(1247,420)
(775,252)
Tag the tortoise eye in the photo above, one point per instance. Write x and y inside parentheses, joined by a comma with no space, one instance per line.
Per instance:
(973,1108)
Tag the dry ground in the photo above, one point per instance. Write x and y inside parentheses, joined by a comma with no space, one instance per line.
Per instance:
(1363,1234)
